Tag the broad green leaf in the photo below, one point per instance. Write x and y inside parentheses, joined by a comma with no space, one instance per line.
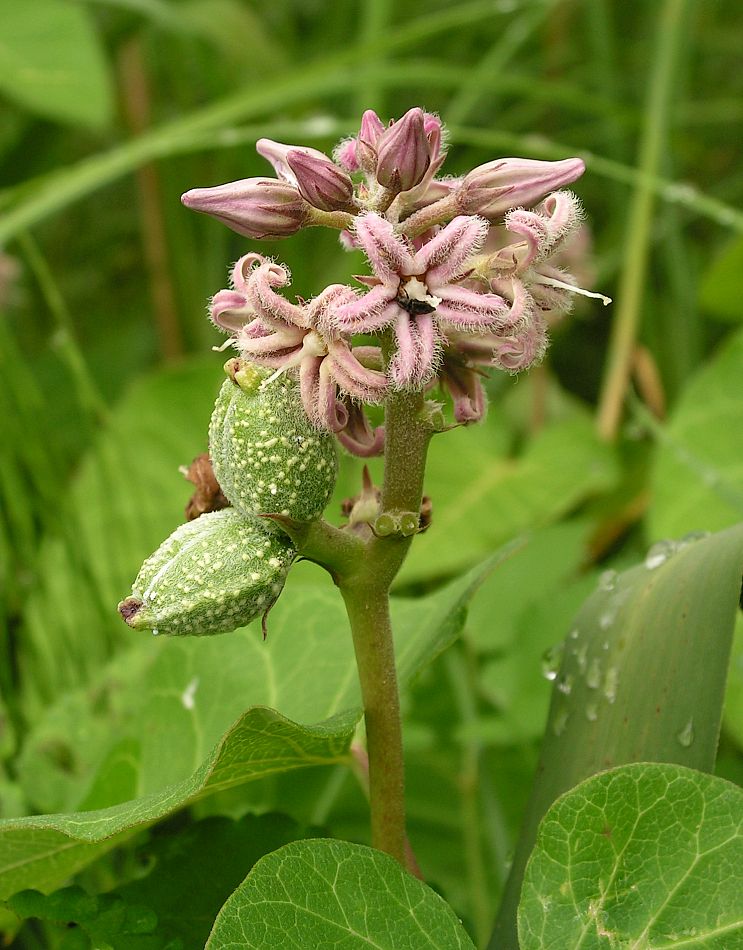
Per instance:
(192,872)
(43,851)
(644,856)
(191,693)
(52,62)
(642,678)
(698,477)
(721,287)
(335,894)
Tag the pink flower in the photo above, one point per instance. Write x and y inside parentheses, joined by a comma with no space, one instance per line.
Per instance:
(273,331)
(414,291)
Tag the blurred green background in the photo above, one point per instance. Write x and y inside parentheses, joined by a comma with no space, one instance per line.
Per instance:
(110,109)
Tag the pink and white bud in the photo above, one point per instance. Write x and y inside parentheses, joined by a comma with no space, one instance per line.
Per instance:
(371,129)
(320,181)
(254,207)
(404,152)
(345,155)
(492,189)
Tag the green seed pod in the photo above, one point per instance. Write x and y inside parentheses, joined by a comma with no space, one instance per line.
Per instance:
(211,575)
(266,454)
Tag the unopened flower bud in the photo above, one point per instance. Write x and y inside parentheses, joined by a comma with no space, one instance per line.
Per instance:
(267,456)
(320,181)
(403,153)
(492,189)
(371,129)
(253,207)
(210,576)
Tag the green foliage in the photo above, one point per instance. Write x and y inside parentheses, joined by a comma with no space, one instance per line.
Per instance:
(189,874)
(186,734)
(116,731)
(52,61)
(640,856)
(333,893)
(640,676)
(698,476)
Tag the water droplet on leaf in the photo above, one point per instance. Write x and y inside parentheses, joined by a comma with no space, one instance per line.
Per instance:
(593,676)
(592,712)
(551,660)
(560,721)
(611,681)
(659,553)
(565,683)
(608,580)
(685,736)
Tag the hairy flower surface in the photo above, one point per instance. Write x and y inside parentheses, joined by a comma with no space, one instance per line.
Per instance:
(466,272)
(272,331)
(414,291)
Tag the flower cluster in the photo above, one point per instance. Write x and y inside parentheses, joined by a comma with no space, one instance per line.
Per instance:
(463,270)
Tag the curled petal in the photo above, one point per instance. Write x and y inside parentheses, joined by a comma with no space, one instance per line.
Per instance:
(271,306)
(388,254)
(230,311)
(522,304)
(563,211)
(321,310)
(242,268)
(464,385)
(357,436)
(279,343)
(444,257)
(523,347)
(469,310)
(534,228)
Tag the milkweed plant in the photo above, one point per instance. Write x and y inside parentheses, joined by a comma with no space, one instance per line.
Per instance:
(466,275)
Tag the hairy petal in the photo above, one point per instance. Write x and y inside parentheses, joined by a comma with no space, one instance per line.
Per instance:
(470,310)
(230,311)
(389,256)
(444,257)
(270,305)
(369,385)
(370,312)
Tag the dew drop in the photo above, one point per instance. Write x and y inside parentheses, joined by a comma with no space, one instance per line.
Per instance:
(551,660)
(565,683)
(581,656)
(608,617)
(592,712)
(574,634)
(560,721)
(693,536)
(155,632)
(611,681)
(658,554)
(685,736)
(608,580)
(593,676)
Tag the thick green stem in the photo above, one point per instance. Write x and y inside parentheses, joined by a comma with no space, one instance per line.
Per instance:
(368,612)
(365,587)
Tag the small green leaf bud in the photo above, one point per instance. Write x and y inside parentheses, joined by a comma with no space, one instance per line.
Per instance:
(409,523)
(266,454)
(385,525)
(211,575)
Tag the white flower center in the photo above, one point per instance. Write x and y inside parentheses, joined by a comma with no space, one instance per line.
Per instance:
(415,289)
(314,345)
